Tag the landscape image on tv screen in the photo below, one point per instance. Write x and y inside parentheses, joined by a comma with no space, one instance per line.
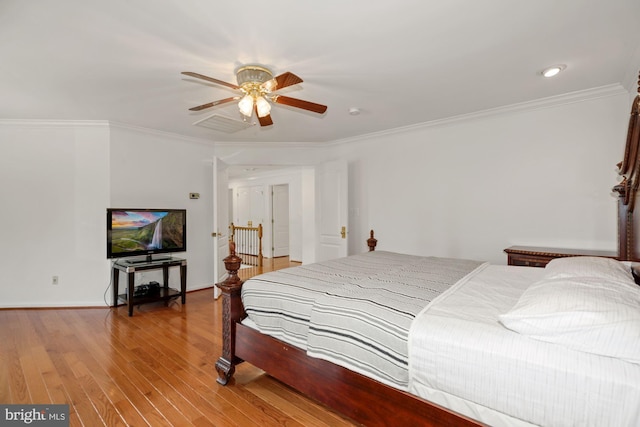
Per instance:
(136,231)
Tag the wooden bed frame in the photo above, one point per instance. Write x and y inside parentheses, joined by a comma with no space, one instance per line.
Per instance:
(629,170)
(362,399)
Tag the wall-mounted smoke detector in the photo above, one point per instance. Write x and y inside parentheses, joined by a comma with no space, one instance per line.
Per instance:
(553,70)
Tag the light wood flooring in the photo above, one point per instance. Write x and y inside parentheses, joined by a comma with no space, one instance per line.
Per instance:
(155,368)
(269,264)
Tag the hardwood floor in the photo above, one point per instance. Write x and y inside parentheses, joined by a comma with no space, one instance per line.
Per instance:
(269,264)
(153,369)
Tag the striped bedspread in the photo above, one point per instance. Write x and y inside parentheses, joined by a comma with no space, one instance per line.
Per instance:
(354,311)
(364,325)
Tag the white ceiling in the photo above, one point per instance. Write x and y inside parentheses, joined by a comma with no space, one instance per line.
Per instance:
(401,62)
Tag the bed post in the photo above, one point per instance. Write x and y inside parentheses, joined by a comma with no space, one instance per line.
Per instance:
(372,242)
(629,170)
(232,312)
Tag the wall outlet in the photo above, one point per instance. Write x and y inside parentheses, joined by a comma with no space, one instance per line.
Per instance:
(54,280)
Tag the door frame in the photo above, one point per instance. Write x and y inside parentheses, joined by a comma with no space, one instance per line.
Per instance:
(220,221)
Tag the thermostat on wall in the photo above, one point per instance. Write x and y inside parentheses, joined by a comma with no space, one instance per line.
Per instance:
(194,195)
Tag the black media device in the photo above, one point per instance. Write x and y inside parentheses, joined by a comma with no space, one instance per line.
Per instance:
(143,233)
(148,290)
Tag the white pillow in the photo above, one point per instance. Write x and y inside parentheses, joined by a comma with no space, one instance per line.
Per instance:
(588,314)
(588,266)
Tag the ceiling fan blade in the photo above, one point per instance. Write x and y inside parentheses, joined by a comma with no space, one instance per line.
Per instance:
(287,79)
(299,103)
(214,103)
(210,79)
(264,121)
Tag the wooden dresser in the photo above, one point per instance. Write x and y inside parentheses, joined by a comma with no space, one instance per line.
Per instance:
(532,256)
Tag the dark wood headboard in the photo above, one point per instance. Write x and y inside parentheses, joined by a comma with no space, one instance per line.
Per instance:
(629,170)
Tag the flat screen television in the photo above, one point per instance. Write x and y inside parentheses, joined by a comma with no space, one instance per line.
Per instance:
(143,233)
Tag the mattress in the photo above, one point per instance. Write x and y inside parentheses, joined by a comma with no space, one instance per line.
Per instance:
(459,353)
(355,312)
(280,302)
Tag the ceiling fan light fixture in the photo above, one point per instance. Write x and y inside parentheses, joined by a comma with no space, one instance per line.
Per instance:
(270,85)
(246,105)
(263,107)
(253,74)
(256,85)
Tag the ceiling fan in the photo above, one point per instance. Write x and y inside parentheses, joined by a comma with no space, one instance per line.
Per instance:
(257,85)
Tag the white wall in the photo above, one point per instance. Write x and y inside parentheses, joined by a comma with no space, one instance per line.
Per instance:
(57,181)
(156,170)
(474,187)
(308,210)
(466,189)
(54,191)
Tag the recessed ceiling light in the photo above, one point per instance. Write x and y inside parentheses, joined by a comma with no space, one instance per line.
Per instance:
(354,111)
(553,70)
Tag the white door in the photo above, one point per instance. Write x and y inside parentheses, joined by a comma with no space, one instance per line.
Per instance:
(243,204)
(251,206)
(257,203)
(230,205)
(280,218)
(332,207)
(220,221)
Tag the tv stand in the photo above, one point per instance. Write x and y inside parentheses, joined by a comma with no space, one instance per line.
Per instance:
(148,259)
(131,267)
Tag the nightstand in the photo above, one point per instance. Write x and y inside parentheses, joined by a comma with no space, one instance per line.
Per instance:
(531,256)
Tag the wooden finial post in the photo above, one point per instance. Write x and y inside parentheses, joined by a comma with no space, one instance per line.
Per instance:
(372,242)
(232,312)
(232,263)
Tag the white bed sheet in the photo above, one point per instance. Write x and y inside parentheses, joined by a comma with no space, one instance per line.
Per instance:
(461,357)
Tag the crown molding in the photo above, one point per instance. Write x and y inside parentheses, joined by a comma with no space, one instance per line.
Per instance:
(549,102)
(74,124)
(40,123)
(160,133)
(234,144)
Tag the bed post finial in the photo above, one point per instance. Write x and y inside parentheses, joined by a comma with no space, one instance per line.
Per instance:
(372,242)
(233,262)
(232,312)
